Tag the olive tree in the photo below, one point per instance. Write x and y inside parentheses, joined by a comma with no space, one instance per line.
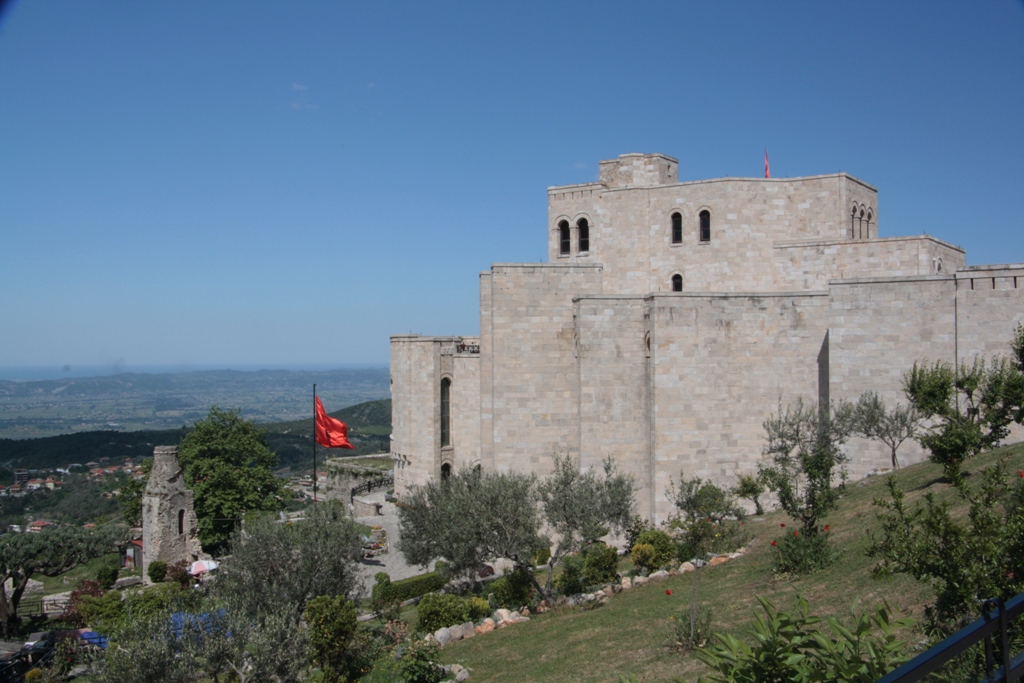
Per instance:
(890,426)
(469,518)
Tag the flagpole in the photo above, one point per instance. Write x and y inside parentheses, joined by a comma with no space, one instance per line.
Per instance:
(314,444)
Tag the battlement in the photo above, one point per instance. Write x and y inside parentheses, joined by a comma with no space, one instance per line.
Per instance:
(639,170)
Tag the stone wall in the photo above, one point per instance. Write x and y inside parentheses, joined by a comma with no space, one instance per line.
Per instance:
(720,365)
(534,378)
(170,530)
(614,405)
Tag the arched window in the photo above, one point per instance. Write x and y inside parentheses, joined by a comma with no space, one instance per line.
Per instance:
(446,412)
(583,232)
(867,225)
(853,222)
(677,228)
(181,522)
(860,224)
(446,471)
(564,243)
(677,283)
(705,226)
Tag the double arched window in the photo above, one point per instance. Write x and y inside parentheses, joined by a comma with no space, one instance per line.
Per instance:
(564,239)
(583,233)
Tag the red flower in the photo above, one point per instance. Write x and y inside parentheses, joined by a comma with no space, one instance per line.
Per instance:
(796,533)
(1020,473)
(826,527)
(668,592)
(783,525)
(774,543)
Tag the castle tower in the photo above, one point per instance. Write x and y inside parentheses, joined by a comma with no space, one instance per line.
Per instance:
(170,530)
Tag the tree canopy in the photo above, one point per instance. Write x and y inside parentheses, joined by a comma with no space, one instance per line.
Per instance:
(49,552)
(228,466)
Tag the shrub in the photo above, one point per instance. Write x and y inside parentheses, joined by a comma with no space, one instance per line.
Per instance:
(798,553)
(571,581)
(513,590)
(601,564)
(178,573)
(541,556)
(664,547)
(382,598)
(106,576)
(437,610)
(73,612)
(788,648)
(643,555)
(157,571)
(699,499)
(636,527)
(478,608)
(413,587)
(331,629)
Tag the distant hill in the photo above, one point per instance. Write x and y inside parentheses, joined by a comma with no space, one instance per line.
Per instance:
(369,427)
(140,401)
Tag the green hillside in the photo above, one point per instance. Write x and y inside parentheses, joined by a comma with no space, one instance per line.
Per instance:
(630,635)
(369,427)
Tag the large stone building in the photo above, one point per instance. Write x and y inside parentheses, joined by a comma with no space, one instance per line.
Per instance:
(673,317)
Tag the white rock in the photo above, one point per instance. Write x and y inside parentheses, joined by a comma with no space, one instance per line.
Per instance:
(443,636)
(502,615)
(460,672)
(658,575)
(639,580)
(627,583)
(468,630)
(686,567)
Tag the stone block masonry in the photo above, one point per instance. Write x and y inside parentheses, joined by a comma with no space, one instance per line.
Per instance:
(674,316)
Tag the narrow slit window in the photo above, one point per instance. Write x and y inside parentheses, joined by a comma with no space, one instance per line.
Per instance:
(583,231)
(181,522)
(677,283)
(677,229)
(446,412)
(564,242)
(705,226)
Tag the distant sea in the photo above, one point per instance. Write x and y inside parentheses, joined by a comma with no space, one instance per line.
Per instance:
(30,373)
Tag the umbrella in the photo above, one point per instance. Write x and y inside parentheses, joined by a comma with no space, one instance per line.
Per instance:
(202,566)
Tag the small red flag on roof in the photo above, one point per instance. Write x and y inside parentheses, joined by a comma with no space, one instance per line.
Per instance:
(767,173)
(330,432)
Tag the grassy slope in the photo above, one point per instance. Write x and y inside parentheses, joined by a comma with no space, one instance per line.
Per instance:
(629,635)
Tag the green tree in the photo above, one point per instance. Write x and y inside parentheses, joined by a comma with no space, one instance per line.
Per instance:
(228,466)
(49,552)
(581,507)
(274,563)
(971,406)
(469,518)
(750,487)
(698,499)
(891,427)
(331,631)
(805,444)
(967,559)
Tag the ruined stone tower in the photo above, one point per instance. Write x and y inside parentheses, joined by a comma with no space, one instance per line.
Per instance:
(170,530)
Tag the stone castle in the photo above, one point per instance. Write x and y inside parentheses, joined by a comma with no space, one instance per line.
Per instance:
(673,317)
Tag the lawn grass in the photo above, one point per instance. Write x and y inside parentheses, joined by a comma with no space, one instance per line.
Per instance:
(630,634)
(69,580)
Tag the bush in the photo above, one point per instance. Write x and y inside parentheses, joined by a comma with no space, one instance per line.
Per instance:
(787,648)
(664,547)
(601,564)
(643,555)
(636,527)
(73,612)
(106,576)
(541,556)
(571,581)
(157,571)
(437,610)
(331,630)
(178,573)
(382,598)
(801,553)
(406,589)
(513,590)
(478,608)
(699,499)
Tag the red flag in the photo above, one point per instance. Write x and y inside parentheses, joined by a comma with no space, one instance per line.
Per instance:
(767,173)
(330,433)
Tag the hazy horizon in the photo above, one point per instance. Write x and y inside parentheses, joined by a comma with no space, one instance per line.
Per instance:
(32,373)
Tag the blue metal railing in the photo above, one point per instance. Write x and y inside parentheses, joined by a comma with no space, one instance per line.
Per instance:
(994,624)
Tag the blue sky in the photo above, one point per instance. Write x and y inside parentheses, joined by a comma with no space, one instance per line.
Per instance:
(226,183)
